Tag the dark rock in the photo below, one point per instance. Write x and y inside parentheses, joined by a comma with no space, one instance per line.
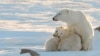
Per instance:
(32,53)
(98,28)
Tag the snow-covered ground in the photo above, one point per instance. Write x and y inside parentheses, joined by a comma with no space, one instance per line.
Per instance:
(28,23)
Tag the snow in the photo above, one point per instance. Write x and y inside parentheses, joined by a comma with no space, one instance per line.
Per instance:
(28,24)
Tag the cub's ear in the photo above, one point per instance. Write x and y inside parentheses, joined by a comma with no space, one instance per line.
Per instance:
(61,27)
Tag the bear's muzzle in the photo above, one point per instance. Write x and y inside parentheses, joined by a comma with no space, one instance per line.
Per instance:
(54,19)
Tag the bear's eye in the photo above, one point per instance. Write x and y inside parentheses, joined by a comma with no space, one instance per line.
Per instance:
(59,14)
(56,31)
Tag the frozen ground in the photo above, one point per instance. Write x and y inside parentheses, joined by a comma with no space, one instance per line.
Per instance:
(28,23)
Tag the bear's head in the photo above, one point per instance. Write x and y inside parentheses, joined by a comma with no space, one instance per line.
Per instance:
(61,32)
(68,15)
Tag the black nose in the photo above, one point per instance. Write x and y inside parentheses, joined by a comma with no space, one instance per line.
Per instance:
(54,35)
(53,19)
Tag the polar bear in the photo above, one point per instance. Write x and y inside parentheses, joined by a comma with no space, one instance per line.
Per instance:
(69,40)
(80,23)
(51,44)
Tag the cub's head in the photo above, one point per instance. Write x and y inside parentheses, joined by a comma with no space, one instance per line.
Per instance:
(61,32)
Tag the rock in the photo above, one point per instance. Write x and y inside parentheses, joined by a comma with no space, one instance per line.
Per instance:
(32,53)
(98,28)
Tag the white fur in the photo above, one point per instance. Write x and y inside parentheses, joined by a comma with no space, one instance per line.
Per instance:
(69,40)
(51,44)
(80,23)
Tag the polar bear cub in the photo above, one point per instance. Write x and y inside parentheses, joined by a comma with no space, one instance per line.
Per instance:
(51,44)
(81,24)
(69,40)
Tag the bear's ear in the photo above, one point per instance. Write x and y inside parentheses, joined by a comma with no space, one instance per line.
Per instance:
(67,11)
(61,27)
(82,14)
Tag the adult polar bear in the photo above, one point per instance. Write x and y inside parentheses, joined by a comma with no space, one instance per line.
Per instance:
(77,21)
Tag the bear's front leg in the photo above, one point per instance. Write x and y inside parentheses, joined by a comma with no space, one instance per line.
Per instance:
(59,46)
(86,45)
